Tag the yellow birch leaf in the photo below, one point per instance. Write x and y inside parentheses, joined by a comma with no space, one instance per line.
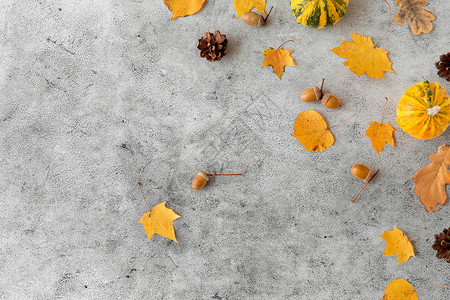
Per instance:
(400,289)
(159,220)
(278,59)
(397,243)
(380,134)
(431,180)
(182,8)
(312,131)
(243,6)
(364,57)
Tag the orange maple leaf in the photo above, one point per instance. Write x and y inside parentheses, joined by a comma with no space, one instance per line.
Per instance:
(278,59)
(159,220)
(400,289)
(431,180)
(380,134)
(397,243)
(182,8)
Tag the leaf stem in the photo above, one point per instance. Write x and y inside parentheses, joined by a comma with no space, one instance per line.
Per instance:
(342,122)
(365,185)
(265,19)
(285,43)
(434,285)
(384,110)
(390,23)
(140,190)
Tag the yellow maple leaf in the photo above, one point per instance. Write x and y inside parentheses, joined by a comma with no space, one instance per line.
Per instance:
(278,59)
(431,180)
(312,131)
(364,57)
(380,134)
(243,6)
(182,8)
(159,220)
(400,289)
(397,243)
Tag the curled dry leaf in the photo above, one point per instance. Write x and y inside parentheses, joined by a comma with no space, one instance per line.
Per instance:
(400,289)
(243,6)
(397,243)
(159,220)
(278,59)
(380,134)
(364,57)
(431,180)
(312,131)
(419,18)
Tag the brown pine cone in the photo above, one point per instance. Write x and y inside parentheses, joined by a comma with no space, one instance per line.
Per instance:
(443,66)
(442,244)
(214,46)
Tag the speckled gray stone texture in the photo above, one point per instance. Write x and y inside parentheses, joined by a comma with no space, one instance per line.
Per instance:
(96,95)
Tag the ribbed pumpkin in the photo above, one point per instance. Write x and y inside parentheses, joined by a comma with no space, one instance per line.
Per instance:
(319,13)
(424,110)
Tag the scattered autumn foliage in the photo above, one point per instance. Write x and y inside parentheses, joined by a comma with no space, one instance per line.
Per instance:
(278,59)
(159,220)
(243,6)
(431,180)
(419,18)
(312,131)
(182,8)
(400,289)
(397,243)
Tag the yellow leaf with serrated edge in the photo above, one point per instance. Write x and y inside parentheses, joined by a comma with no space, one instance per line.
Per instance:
(182,8)
(397,243)
(364,57)
(380,134)
(312,131)
(400,289)
(243,6)
(159,220)
(278,59)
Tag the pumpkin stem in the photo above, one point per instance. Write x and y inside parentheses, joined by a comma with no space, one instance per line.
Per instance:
(432,111)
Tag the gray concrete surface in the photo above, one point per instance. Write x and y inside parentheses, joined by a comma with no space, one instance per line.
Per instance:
(96,95)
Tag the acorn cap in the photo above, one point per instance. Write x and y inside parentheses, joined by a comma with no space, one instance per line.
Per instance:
(317,92)
(203,175)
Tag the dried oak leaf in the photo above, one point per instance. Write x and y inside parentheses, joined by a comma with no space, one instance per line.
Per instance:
(182,8)
(364,57)
(159,220)
(419,18)
(400,289)
(243,6)
(397,243)
(431,180)
(380,134)
(278,59)
(312,131)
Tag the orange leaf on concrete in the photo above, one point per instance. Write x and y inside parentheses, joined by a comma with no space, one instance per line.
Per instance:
(243,6)
(159,220)
(312,131)
(400,289)
(419,18)
(364,57)
(397,243)
(278,59)
(431,180)
(182,8)
(380,134)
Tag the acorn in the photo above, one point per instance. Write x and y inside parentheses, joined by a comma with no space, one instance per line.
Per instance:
(255,19)
(200,181)
(330,101)
(362,172)
(311,94)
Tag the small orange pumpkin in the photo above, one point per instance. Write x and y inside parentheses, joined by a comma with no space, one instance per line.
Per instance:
(424,110)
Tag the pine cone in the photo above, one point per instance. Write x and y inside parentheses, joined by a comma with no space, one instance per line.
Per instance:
(214,46)
(442,244)
(443,66)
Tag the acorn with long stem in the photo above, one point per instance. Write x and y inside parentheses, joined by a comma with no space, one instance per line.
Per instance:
(202,179)
(255,19)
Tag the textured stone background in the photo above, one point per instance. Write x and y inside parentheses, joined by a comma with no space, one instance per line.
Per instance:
(98,94)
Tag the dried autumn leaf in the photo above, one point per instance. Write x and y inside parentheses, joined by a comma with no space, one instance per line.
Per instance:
(312,131)
(159,220)
(364,57)
(397,243)
(182,8)
(400,289)
(431,180)
(419,18)
(243,6)
(380,134)
(278,59)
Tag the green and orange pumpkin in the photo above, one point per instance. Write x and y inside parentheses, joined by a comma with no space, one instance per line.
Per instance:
(424,110)
(319,13)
